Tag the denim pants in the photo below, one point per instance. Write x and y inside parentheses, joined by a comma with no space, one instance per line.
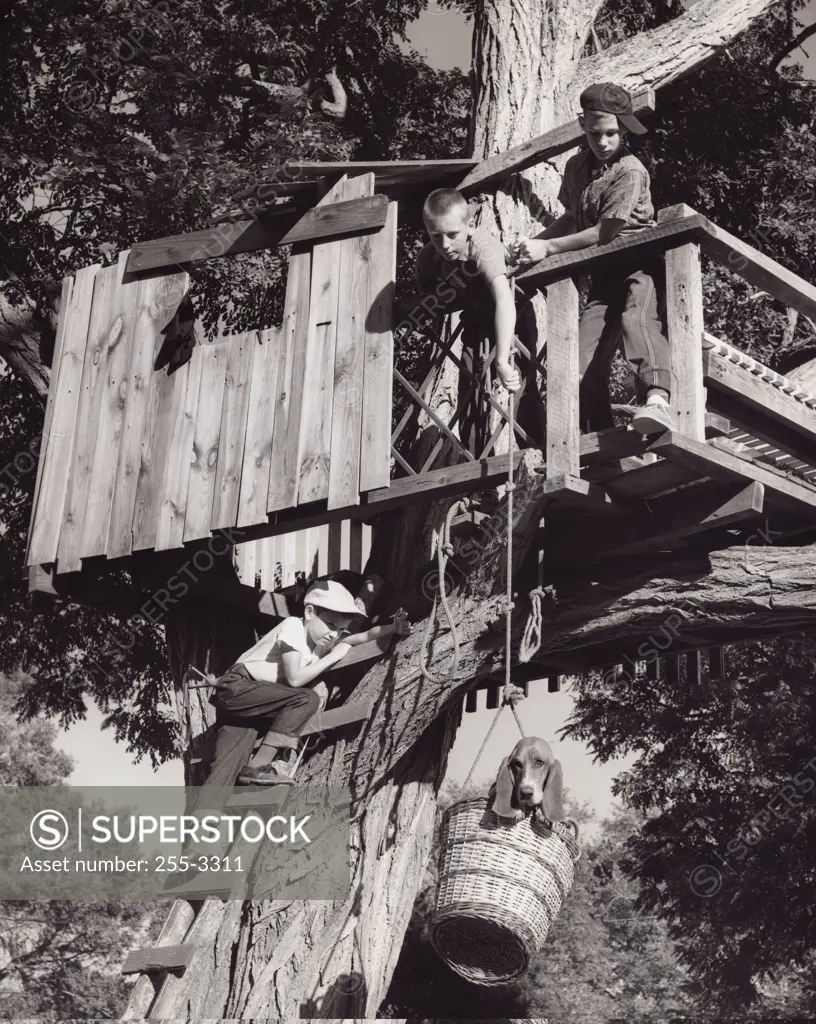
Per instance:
(625,304)
(244,708)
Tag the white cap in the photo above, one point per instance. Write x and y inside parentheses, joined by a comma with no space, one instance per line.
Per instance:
(332,596)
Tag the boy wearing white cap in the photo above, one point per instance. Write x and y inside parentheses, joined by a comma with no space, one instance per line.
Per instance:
(270,684)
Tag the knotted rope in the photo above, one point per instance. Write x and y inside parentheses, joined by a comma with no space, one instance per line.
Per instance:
(531,640)
(444,550)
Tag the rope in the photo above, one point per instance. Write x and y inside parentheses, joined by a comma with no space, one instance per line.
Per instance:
(444,549)
(512,694)
(531,640)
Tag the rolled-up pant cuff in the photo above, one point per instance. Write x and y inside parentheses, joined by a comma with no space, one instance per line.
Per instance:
(656,379)
(279,739)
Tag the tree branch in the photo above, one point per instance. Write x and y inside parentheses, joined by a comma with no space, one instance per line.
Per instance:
(664,54)
(791,46)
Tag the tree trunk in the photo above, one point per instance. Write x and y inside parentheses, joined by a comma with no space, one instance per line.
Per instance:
(338,959)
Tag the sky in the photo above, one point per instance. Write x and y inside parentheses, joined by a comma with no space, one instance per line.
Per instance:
(444,37)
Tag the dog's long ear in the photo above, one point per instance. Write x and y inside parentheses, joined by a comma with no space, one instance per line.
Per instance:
(503,800)
(552,806)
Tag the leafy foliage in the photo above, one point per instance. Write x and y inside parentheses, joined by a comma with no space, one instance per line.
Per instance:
(59,959)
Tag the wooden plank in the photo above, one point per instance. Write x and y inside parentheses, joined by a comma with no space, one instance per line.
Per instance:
(668,521)
(394,170)
(491,172)
(159,958)
(268,564)
(493,697)
(791,496)
(318,382)
(378,368)
(284,461)
(649,481)
(174,929)
(355,546)
(553,684)
(760,270)
(175,478)
(335,548)
(694,668)
(45,437)
(349,362)
(262,232)
(323,551)
(206,436)
(472,700)
(605,446)
(267,360)
(57,447)
(716,663)
(672,663)
(104,334)
(157,299)
(640,244)
(684,316)
(746,388)
(563,444)
(234,413)
(346,714)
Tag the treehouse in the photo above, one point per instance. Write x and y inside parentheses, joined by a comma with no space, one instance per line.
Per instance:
(286,442)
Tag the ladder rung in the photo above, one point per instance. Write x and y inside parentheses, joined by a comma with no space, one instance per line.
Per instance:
(158,958)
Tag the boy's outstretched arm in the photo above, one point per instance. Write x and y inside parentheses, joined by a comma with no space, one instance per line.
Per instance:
(531,250)
(504,328)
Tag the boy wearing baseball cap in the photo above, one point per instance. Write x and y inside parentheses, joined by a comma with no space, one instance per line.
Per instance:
(268,689)
(605,193)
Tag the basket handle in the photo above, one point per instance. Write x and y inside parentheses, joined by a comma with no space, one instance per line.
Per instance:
(572,824)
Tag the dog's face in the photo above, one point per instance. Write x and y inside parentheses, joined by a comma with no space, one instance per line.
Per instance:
(530,779)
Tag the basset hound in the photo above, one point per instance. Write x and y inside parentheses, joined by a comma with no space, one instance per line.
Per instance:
(529,780)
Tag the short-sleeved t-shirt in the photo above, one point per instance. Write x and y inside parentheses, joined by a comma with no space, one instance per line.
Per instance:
(289,635)
(619,189)
(470,277)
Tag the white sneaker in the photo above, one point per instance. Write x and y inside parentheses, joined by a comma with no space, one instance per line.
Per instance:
(654,417)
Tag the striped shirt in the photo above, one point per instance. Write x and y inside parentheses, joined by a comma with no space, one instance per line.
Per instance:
(618,189)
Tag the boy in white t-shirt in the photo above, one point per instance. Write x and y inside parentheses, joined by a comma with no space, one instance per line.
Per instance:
(268,689)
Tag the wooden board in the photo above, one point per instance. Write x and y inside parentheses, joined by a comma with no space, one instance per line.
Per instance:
(684,316)
(234,413)
(201,488)
(318,380)
(791,496)
(645,243)
(159,958)
(349,361)
(563,443)
(378,369)
(491,172)
(262,232)
(285,455)
(267,361)
(649,481)
(172,491)
(154,454)
(57,444)
(668,522)
(157,299)
(104,333)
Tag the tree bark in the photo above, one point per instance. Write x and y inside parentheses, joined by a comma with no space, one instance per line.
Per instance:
(20,346)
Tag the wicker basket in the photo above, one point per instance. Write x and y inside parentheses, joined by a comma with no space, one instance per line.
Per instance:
(500,888)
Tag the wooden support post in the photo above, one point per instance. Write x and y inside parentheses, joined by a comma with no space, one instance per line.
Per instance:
(554,684)
(472,700)
(693,668)
(653,670)
(493,697)
(684,316)
(563,441)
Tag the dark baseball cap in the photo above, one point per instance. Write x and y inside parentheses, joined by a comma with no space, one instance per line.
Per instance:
(609,98)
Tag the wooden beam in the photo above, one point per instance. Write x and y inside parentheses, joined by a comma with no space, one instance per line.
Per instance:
(760,270)
(472,701)
(489,173)
(789,495)
(670,520)
(346,714)
(563,446)
(644,244)
(761,399)
(158,958)
(351,217)
(684,317)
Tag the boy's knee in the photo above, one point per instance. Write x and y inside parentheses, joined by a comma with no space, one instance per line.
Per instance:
(308,699)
